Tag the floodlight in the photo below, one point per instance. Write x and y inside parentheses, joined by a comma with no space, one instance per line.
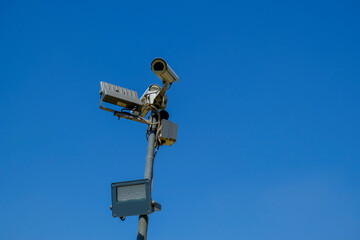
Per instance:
(126,98)
(131,198)
(119,96)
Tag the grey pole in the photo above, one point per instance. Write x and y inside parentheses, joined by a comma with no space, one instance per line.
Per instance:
(144,219)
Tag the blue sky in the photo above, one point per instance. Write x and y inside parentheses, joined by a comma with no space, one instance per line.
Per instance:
(267,107)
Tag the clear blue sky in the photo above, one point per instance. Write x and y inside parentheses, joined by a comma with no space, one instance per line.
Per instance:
(267,107)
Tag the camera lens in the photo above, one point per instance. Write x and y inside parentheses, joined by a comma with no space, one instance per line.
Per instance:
(159,66)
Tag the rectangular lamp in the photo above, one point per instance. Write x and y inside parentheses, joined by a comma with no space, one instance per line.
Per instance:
(131,198)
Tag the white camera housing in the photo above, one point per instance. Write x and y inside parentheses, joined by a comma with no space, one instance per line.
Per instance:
(163,71)
(154,95)
(150,94)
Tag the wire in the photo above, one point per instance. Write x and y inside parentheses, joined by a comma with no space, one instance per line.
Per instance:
(147,121)
(125,110)
(158,142)
(158,132)
(169,87)
(157,136)
(157,149)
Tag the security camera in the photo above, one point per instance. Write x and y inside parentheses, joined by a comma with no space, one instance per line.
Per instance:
(163,71)
(150,94)
(154,95)
(133,107)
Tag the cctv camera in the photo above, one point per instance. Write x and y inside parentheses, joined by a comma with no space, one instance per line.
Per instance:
(149,95)
(163,71)
(154,95)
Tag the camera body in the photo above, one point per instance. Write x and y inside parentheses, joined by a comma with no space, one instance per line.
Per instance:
(163,71)
(150,94)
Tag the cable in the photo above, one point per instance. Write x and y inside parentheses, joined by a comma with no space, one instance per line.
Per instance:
(125,110)
(157,136)
(158,129)
(157,149)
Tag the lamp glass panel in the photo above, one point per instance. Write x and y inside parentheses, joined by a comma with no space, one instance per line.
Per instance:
(132,192)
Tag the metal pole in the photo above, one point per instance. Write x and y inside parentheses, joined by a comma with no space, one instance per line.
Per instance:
(144,219)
